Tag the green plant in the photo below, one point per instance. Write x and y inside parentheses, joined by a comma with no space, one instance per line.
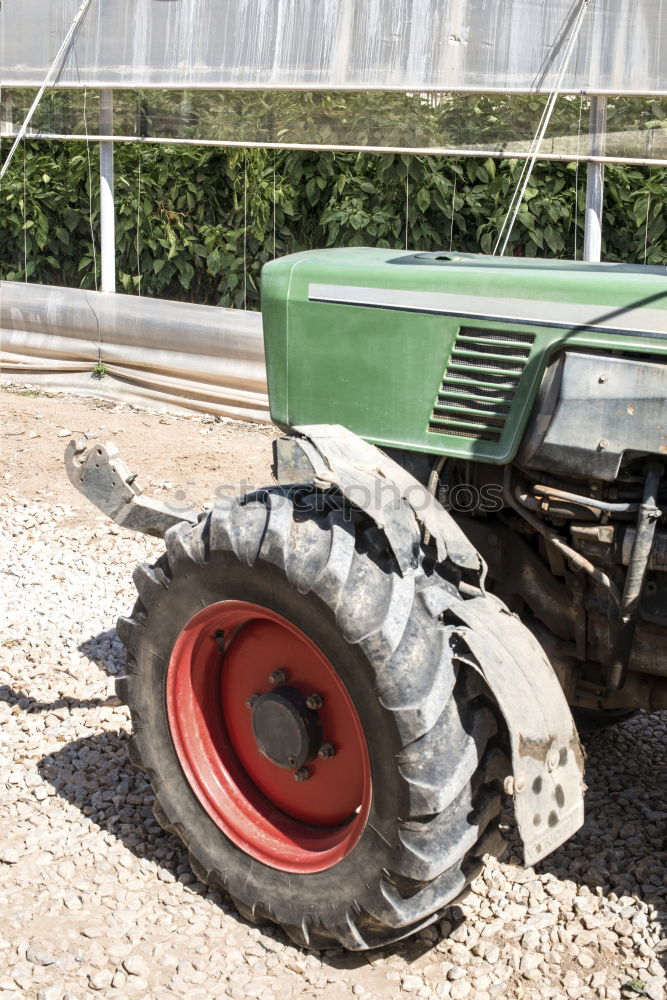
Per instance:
(98,371)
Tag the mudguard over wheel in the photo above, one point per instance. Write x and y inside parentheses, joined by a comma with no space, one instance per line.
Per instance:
(307,725)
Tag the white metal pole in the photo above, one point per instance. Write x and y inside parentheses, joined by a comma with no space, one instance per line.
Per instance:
(595,179)
(7,123)
(107,215)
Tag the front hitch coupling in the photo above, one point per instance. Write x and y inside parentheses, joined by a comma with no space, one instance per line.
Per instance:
(102,476)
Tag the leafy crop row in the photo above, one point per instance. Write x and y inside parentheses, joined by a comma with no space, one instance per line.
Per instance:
(197,223)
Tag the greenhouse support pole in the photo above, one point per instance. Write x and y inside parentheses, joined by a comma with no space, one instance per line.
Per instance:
(595,179)
(7,123)
(107,214)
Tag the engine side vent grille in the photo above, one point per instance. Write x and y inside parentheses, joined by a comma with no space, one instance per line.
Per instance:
(479,384)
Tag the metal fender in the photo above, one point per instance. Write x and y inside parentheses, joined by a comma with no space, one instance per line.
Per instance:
(332,456)
(547,761)
(547,782)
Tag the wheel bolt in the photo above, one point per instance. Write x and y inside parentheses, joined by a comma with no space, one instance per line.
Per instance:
(249,702)
(314,701)
(302,774)
(277,677)
(326,751)
(291,761)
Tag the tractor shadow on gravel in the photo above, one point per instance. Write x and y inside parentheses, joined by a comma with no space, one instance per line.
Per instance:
(106,651)
(27,703)
(95,774)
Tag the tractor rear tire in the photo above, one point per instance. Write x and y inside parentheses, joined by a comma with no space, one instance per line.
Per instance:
(269,601)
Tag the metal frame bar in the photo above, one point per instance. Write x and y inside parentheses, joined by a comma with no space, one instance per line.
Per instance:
(330,88)
(416,150)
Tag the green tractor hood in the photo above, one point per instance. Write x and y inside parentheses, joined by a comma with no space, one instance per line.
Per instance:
(437,352)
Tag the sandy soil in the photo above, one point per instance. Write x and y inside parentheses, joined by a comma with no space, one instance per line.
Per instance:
(180,459)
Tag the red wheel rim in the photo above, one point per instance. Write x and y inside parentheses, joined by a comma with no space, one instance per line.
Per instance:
(221,661)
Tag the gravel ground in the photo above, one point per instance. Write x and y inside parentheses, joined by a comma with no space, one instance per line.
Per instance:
(98,900)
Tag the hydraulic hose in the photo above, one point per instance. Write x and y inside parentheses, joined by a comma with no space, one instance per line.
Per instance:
(512,497)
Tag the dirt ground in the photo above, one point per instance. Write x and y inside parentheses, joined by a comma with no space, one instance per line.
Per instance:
(98,900)
(180,459)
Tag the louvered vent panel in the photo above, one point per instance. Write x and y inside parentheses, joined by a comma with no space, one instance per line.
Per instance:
(479,384)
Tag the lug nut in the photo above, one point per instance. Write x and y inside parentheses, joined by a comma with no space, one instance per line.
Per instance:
(291,761)
(277,677)
(314,701)
(326,751)
(249,702)
(302,774)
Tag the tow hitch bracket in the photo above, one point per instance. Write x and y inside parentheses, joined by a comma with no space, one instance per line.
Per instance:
(101,475)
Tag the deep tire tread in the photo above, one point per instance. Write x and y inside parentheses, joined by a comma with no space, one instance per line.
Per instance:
(449,817)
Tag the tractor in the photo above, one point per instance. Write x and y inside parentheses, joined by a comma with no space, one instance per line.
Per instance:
(339,682)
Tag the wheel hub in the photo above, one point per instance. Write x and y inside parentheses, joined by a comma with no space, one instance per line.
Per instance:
(286,730)
(268,737)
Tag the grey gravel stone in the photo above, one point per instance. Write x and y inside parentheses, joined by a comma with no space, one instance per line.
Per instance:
(460,989)
(135,965)
(39,957)
(50,993)
(100,980)
(456,972)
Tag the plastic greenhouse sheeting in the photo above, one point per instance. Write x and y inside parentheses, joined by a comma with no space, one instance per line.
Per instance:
(154,352)
(409,45)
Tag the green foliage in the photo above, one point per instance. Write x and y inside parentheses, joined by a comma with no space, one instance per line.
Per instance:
(45,212)
(636,986)
(198,223)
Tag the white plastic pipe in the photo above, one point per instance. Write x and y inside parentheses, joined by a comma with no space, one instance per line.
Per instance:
(107,213)
(595,180)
